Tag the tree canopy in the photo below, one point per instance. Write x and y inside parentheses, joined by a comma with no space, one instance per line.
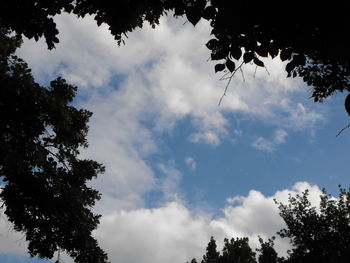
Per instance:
(44,192)
(315,45)
(315,234)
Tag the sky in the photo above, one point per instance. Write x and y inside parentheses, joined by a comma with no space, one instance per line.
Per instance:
(181,168)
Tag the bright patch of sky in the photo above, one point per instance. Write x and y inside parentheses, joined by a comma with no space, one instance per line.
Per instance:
(180,168)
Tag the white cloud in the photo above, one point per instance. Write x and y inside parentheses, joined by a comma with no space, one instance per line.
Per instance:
(280,136)
(175,80)
(169,184)
(171,232)
(262,144)
(191,163)
(11,241)
(164,79)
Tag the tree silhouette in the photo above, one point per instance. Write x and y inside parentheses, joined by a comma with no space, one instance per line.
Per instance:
(237,251)
(212,255)
(44,192)
(315,46)
(318,236)
(315,234)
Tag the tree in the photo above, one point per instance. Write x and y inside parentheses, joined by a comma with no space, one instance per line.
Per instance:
(237,251)
(316,235)
(212,255)
(315,46)
(40,133)
(267,252)
(44,192)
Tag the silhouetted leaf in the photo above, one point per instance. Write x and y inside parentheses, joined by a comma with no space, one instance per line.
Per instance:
(285,54)
(235,52)
(231,66)
(258,62)
(212,44)
(262,51)
(219,54)
(248,56)
(209,13)
(219,67)
(299,59)
(193,15)
(273,50)
(290,66)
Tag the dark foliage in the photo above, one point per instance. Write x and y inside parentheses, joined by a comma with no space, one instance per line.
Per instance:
(314,41)
(316,235)
(44,192)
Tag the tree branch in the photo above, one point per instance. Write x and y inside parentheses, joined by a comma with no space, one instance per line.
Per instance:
(229,80)
(346,127)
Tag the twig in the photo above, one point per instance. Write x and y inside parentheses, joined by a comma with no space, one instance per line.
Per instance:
(224,76)
(229,80)
(240,67)
(59,255)
(346,127)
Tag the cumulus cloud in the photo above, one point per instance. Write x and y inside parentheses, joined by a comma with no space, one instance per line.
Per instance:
(170,62)
(172,232)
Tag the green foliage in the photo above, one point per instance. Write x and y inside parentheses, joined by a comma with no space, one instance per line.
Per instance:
(44,190)
(316,234)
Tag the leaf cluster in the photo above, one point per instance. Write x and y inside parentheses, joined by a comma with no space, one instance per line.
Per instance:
(315,47)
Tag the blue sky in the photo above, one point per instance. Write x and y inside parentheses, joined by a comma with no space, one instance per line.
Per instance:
(180,168)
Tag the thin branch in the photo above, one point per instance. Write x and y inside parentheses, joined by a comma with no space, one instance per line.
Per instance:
(268,73)
(256,67)
(55,155)
(228,83)
(224,76)
(58,158)
(346,127)
(240,67)
(59,255)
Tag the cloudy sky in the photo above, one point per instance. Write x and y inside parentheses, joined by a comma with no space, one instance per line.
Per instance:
(180,167)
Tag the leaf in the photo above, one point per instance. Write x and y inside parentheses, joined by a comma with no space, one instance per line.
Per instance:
(213,44)
(219,54)
(209,13)
(235,52)
(273,50)
(193,14)
(219,67)
(262,51)
(299,59)
(248,56)
(230,65)
(286,54)
(289,67)
(258,62)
